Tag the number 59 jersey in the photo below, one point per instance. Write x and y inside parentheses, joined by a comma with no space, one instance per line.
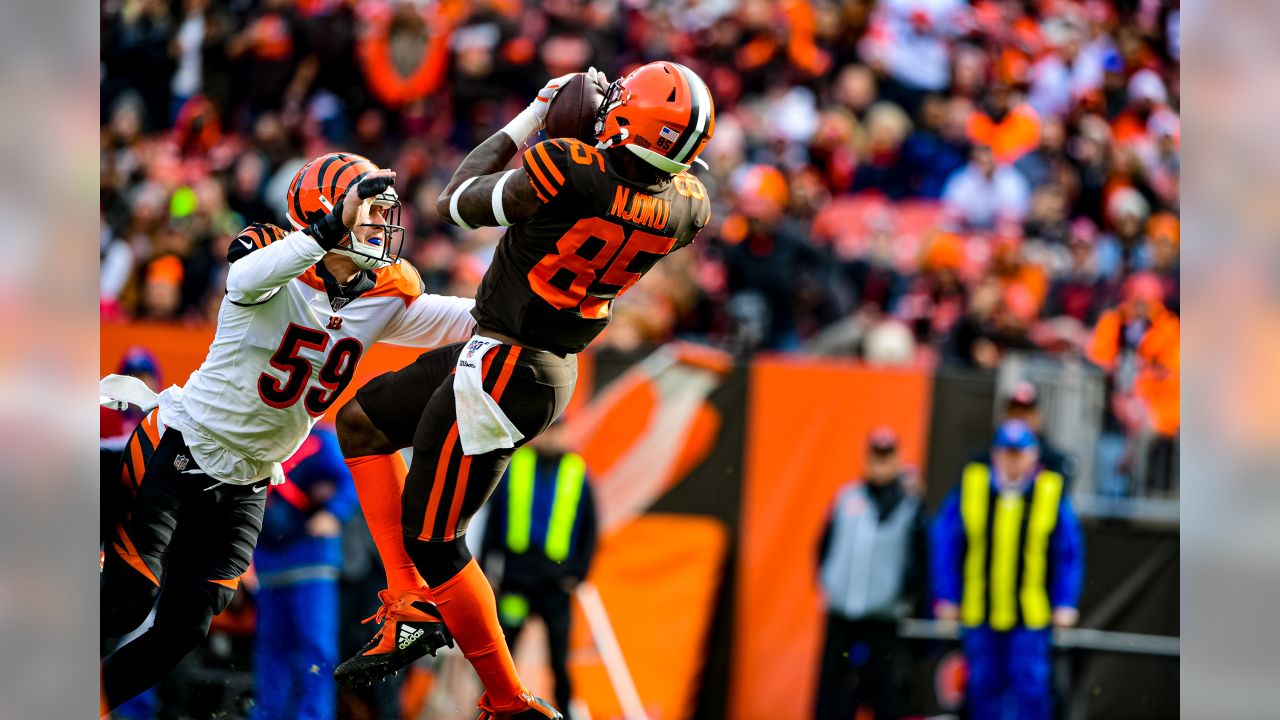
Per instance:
(288,341)
(554,277)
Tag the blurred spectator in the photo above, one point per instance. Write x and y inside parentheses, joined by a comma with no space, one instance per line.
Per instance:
(1010,130)
(542,531)
(298,560)
(938,147)
(870,558)
(1007,561)
(1077,292)
(135,58)
(881,166)
(910,41)
(1023,404)
(768,259)
(997,321)
(983,192)
(1137,344)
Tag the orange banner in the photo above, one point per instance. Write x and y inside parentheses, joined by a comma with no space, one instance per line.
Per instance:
(806,434)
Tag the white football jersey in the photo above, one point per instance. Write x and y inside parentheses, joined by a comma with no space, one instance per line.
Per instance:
(287,344)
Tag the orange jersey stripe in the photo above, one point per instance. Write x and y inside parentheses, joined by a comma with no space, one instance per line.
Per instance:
(537,173)
(233,583)
(537,191)
(551,167)
(437,488)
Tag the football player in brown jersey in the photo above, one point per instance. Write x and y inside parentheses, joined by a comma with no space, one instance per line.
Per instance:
(584,224)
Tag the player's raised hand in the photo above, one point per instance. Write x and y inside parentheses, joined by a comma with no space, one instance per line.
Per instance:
(542,102)
(371,185)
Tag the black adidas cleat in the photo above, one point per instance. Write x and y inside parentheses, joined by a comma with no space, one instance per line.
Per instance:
(411,627)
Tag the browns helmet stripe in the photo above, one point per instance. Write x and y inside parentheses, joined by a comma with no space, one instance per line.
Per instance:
(699,109)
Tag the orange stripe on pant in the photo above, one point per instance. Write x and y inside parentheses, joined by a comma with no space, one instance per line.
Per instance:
(464,468)
(129,554)
(437,487)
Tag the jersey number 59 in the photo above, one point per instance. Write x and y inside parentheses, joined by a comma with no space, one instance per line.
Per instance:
(335,374)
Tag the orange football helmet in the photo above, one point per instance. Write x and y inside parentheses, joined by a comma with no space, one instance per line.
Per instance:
(316,188)
(662,112)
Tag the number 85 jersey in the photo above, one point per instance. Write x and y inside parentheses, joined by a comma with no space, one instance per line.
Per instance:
(554,276)
(288,341)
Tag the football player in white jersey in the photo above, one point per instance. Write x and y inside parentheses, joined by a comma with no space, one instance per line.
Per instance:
(300,309)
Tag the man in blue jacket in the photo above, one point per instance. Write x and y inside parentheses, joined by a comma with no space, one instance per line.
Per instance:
(1008,563)
(298,559)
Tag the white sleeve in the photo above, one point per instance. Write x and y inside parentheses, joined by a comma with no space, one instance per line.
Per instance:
(431,321)
(255,277)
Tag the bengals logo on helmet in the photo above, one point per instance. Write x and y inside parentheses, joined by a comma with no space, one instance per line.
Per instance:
(317,187)
(662,112)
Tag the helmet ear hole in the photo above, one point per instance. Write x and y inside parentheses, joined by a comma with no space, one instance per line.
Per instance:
(672,96)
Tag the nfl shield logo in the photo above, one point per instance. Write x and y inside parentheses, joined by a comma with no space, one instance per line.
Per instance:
(339,302)
(180,463)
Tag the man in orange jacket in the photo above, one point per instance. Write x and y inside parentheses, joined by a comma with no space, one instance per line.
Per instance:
(1137,344)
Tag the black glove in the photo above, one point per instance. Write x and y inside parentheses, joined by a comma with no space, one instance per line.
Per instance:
(329,230)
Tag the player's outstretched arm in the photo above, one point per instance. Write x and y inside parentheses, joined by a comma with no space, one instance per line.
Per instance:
(481,193)
(262,263)
(431,321)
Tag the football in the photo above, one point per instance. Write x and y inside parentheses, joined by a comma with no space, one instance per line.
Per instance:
(573,110)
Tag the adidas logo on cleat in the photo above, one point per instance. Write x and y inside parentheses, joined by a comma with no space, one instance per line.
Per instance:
(408,634)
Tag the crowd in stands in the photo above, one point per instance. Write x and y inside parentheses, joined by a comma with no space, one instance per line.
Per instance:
(892,179)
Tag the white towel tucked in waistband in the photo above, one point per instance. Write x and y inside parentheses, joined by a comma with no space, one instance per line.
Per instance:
(119,391)
(482,425)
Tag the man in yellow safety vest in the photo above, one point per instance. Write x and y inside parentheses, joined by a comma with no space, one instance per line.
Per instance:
(1008,563)
(538,543)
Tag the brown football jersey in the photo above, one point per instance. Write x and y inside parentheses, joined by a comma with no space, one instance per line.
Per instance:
(555,276)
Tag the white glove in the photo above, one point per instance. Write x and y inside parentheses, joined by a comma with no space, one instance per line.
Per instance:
(534,118)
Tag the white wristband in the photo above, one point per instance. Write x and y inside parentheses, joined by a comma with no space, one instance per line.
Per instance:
(522,126)
(453,204)
(498,213)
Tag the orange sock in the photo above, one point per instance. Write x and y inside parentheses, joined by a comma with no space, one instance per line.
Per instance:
(379,481)
(467,604)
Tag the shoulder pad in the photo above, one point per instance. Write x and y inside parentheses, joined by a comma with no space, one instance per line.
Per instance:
(399,281)
(552,164)
(253,237)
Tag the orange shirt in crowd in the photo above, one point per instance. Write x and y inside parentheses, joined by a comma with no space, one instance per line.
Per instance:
(1159,362)
(1011,138)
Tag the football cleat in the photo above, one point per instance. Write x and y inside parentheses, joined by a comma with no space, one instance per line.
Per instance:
(411,627)
(531,708)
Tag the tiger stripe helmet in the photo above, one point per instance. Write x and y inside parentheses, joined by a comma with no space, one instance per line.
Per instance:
(318,186)
(662,112)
